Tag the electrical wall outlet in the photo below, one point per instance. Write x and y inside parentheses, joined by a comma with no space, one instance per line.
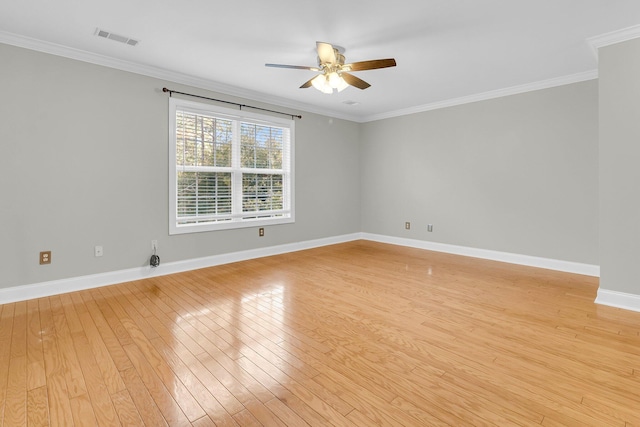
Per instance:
(45,257)
(97,251)
(261,232)
(430,227)
(407,225)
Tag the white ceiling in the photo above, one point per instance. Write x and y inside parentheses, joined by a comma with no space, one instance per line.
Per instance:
(446,50)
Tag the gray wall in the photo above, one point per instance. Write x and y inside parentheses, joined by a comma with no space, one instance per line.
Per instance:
(517,174)
(619,75)
(84,162)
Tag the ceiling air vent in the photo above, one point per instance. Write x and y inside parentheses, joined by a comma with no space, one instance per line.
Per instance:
(116,37)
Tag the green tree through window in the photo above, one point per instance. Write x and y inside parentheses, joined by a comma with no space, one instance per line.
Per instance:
(228,170)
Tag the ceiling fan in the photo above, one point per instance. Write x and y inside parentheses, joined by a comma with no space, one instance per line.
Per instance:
(335,74)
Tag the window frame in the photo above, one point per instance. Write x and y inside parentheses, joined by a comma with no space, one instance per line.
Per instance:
(238,219)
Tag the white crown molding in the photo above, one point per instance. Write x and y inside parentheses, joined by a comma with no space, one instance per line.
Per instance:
(618,299)
(513,90)
(613,37)
(531,261)
(172,76)
(162,74)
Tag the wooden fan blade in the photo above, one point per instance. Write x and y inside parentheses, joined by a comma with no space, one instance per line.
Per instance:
(307,83)
(296,67)
(326,53)
(354,81)
(371,65)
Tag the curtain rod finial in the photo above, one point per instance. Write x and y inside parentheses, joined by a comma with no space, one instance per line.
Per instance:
(164,89)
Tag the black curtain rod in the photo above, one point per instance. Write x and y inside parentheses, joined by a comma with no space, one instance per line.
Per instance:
(164,89)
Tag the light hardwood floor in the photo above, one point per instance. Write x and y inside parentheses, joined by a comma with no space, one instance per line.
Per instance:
(357,334)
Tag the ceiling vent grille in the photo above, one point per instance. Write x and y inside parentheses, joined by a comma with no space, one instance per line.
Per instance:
(116,37)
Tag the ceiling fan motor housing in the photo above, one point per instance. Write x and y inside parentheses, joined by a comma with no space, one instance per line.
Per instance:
(334,73)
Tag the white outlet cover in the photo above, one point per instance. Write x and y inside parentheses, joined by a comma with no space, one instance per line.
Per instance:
(98,251)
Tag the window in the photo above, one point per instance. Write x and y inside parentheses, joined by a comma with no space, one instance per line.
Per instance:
(228,168)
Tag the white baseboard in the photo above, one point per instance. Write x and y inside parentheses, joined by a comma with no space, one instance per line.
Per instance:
(618,299)
(550,264)
(55,287)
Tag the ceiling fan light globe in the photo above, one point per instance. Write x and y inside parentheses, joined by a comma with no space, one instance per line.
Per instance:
(318,82)
(321,83)
(334,80)
(342,85)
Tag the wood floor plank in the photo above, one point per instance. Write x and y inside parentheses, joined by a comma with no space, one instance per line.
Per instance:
(263,414)
(35,357)
(369,406)
(99,350)
(235,387)
(303,410)
(161,369)
(177,351)
(59,405)
(354,334)
(75,384)
(82,411)
(110,340)
(15,412)
(625,410)
(6,328)
(19,331)
(37,410)
(500,396)
(288,416)
(142,399)
(246,418)
(162,397)
(127,315)
(204,422)
(266,341)
(71,313)
(126,409)
(491,408)
(297,389)
(96,388)
(328,393)
(195,376)
(168,325)
(102,299)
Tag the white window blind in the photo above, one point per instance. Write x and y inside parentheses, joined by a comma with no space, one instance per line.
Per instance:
(228,168)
